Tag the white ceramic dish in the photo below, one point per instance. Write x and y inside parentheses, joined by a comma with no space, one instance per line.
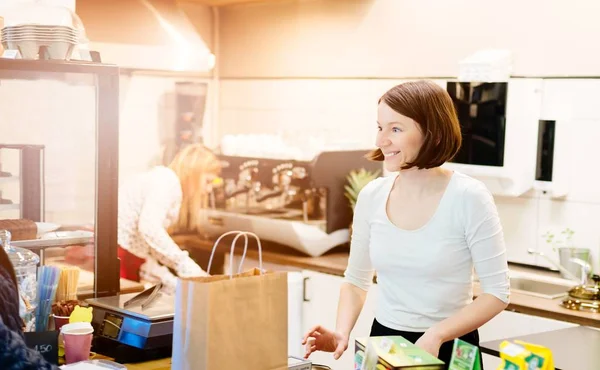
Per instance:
(68,234)
(45,227)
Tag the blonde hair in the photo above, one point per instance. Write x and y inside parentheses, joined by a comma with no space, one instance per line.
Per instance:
(195,166)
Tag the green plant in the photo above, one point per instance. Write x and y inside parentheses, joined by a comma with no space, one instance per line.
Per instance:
(565,239)
(356,181)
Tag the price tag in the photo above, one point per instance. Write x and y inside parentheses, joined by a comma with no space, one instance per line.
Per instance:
(45,342)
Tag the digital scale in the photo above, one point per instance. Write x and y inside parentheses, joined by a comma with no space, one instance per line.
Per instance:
(140,320)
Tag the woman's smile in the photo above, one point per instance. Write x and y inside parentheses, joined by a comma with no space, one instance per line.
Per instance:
(390,154)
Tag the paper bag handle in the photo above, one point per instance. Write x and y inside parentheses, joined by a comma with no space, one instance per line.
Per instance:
(245,233)
(239,233)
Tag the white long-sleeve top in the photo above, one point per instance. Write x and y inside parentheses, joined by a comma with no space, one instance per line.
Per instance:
(426,275)
(148,204)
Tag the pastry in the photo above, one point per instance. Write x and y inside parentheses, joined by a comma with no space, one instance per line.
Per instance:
(20,229)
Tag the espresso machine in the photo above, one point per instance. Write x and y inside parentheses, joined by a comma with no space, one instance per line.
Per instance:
(300,204)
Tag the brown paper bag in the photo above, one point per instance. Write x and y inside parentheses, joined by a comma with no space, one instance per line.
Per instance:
(231,321)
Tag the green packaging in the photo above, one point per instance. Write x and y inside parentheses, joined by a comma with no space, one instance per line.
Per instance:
(465,356)
(392,353)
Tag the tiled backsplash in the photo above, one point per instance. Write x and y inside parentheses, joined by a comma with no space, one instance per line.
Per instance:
(345,110)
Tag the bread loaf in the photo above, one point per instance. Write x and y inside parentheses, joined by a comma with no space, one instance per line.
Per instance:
(20,229)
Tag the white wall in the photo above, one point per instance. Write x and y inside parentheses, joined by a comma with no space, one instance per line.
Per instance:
(405,38)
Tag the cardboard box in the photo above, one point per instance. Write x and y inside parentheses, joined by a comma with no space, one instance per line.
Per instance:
(392,353)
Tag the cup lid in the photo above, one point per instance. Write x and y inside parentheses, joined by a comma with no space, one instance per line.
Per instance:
(77,328)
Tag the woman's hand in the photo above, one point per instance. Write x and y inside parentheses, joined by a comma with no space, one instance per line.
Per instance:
(187,268)
(320,339)
(431,342)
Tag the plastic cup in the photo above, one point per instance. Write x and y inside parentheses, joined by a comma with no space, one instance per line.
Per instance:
(59,321)
(78,341)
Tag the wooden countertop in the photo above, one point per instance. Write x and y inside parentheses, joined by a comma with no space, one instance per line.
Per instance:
(163,364)
(548,308)
(572,348)
(334,262)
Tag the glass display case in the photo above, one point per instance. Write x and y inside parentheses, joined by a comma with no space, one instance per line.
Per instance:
(59,163)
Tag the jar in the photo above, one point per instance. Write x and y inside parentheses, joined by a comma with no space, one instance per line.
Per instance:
(25,263)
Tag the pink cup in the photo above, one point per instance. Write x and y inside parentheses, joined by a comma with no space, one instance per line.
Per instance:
(59,321)
(78,341)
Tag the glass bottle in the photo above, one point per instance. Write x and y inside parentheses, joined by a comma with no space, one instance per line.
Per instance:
(25,264)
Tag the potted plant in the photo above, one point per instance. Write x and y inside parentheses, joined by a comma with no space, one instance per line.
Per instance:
(564,245)
(357,179)
(565,240)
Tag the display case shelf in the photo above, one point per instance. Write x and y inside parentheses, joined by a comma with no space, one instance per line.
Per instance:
(9,179)
(9,207)
(31,170)
(54,242)
(105,82)
(54,69)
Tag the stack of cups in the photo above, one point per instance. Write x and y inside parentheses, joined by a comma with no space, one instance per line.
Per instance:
(78,341)
(60,321)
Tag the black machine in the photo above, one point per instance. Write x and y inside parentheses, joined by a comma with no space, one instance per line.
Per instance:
(296,203)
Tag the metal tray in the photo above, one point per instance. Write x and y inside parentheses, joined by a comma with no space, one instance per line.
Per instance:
(57,239)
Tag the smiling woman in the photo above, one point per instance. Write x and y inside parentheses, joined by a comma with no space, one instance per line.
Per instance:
(423,231)
(412,115)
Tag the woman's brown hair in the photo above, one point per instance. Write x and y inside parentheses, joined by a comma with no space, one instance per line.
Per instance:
(431,107)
